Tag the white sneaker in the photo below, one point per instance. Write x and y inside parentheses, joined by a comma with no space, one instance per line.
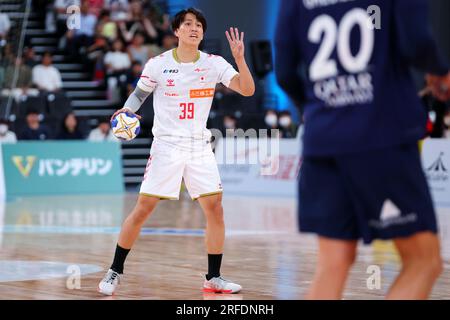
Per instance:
(220,285)
(109,283)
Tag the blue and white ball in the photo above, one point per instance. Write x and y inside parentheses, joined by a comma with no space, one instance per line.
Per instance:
(125,126)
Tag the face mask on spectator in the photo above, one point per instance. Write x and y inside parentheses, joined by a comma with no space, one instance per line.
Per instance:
(271,120)
(447,121)
(285,121)
(3,129)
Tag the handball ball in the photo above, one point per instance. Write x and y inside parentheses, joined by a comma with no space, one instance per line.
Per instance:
(125,126)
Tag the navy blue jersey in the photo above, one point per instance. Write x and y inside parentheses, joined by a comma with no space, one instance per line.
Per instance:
(347,64)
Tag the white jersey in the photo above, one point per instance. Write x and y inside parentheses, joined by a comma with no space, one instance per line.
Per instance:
(183,94)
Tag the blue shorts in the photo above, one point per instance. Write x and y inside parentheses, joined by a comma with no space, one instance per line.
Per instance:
(343,197)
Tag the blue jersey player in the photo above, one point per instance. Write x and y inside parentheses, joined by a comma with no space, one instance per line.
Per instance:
(346,63)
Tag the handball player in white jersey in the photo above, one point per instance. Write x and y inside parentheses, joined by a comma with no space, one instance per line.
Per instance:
(182,81)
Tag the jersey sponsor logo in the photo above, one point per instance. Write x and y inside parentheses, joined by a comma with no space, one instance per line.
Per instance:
(170,83)
(201,70)
(171,94)
(201,93)
(170,71)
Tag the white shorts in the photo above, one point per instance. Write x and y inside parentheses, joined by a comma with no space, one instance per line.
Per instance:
(167,165)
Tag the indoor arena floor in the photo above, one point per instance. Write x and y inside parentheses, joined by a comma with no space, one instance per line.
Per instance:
(46,242)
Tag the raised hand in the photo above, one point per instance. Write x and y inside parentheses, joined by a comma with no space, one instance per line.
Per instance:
(236,43)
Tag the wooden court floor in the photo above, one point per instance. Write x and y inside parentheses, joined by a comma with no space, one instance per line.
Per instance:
(45,242)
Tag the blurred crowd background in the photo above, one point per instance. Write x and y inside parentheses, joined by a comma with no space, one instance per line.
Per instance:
(58,83)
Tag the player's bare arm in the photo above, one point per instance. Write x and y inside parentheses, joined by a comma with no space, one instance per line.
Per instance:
(243,82)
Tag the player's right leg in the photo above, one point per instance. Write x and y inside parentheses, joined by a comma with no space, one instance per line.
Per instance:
(421,266)
(130,231)
(162,180)
(334,261)
(325,208)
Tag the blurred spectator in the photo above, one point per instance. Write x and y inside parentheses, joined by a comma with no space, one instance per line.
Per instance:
(22,87)
(45,76)
(118,9)
(137,50)
(169,41)
(83,37)
(7,55)
(34,130)
(134,76)
(117,64)
(5,25)
(103,132)
(137,22)
(288,129)
(159,19)
(96,54)
(70,129)
(447,124)
(271,121)
(29,57)
(56,18)
(435,110)
(6,136)
(106,27)
(95,6)
(229,123)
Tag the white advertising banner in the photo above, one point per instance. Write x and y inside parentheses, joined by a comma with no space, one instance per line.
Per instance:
(247,168)
(251,166)
(436,164)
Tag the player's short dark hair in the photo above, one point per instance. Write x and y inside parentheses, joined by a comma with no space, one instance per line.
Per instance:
(179,18)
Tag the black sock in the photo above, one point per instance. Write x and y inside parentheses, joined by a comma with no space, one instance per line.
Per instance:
(119,259)
(214,262)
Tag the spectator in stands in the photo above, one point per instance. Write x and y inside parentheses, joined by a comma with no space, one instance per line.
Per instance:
(447,124)
(134,76)
(137,22)
(81,38)
(118,9)
(56,18)
(70,129)
(137,50)
(159,19)
(45,76)
(169,41)
(34,130)
(95,6)
(22,86)
(29,57)
(96,54)
(5,26)
(117,64)
(103,132)
(6,136)
(271,121)
(288,129)
(229,123)
(106,27)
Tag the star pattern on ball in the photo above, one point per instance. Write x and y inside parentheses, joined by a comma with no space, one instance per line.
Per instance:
(126,127)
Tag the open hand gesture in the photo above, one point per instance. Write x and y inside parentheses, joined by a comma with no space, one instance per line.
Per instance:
(236,43)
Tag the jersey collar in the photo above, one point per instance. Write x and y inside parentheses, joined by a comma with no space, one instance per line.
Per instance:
(175,56)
